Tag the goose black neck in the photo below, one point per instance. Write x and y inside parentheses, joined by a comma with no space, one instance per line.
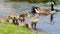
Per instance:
(52,7)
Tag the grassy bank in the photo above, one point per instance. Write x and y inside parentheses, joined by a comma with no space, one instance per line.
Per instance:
(7,28)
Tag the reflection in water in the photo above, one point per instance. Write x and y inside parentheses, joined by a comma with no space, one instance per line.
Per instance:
(7,8)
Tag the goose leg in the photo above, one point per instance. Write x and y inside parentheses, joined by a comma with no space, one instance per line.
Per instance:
(32,25)
(17,22)
(35,26)
(51,19)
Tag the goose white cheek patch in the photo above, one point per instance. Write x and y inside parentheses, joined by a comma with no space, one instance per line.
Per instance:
(37,11)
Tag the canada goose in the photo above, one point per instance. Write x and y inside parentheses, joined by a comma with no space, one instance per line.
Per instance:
(44,11)
(34,21)
(8,19)
(24,24)
(52,9)
(15,18)
(23,16)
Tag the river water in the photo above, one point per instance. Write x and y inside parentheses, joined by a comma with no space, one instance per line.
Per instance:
(7,8)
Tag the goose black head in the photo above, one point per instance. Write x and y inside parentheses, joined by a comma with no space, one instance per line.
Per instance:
(33,11)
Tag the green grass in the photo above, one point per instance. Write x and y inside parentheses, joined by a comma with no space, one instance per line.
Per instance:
(7,28)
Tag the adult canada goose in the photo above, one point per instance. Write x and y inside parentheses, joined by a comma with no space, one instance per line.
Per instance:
(52,9)
(43,11)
